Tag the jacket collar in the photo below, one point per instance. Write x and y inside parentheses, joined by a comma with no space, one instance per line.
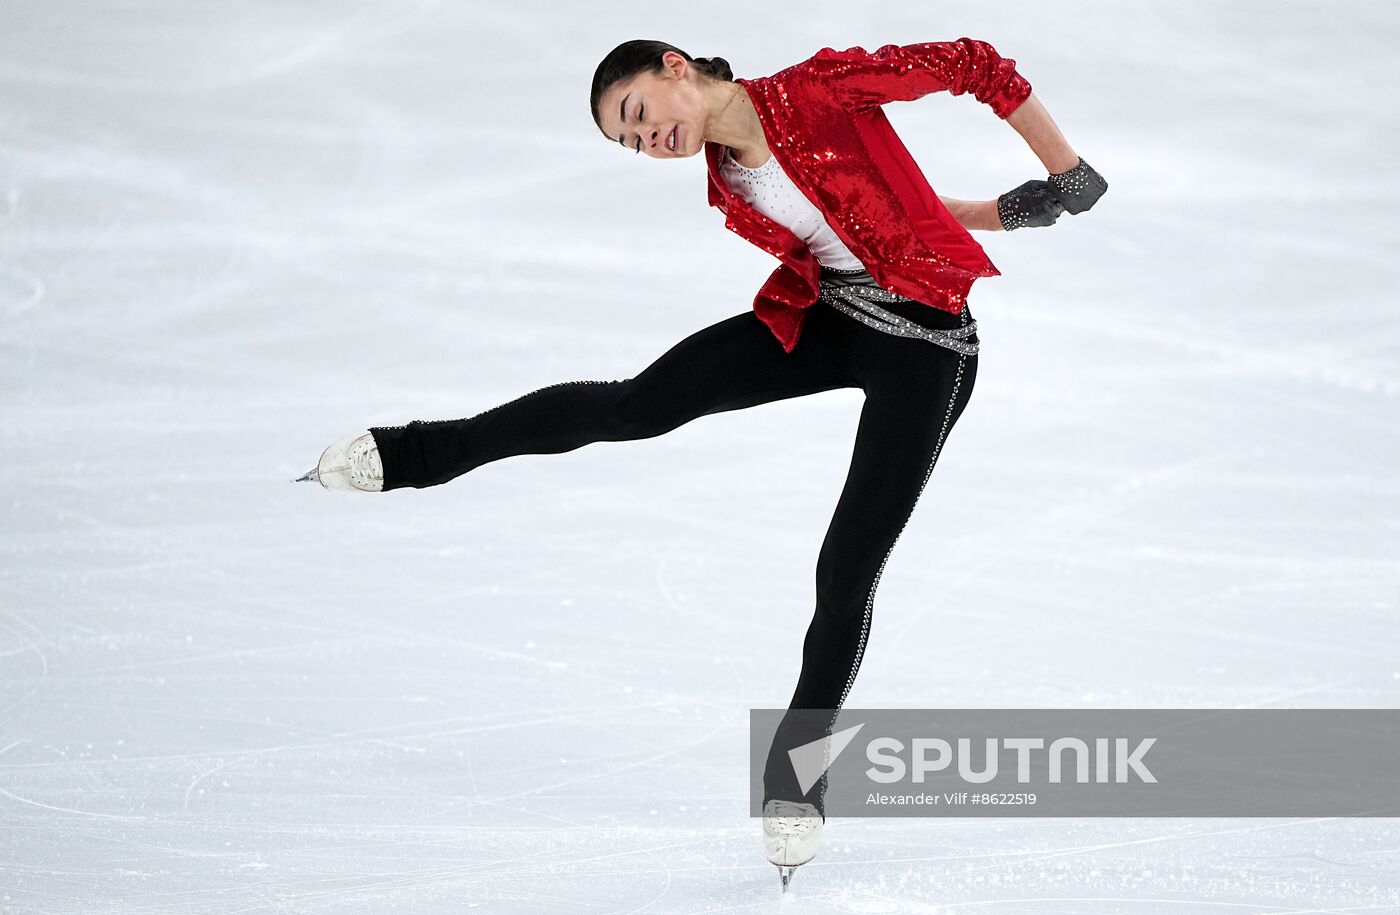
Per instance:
(749,223)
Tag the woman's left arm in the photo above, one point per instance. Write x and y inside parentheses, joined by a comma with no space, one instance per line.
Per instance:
(1038,129)
(1072,184)
(1076,183)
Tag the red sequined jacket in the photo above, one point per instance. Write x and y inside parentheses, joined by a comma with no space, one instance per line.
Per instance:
(823,123)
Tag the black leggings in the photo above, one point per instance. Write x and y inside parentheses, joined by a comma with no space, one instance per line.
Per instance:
(915,391)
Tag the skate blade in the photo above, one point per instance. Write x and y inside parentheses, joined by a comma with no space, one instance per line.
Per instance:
(785,874)
(312,476)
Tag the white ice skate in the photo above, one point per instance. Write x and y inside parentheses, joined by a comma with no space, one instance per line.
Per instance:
(351,463)
(792,833)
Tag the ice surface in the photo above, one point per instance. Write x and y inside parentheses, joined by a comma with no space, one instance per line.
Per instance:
(232,232)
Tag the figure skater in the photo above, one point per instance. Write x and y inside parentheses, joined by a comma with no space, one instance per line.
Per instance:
(871,293)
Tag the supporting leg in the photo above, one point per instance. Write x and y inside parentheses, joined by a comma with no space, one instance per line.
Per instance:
(904,424)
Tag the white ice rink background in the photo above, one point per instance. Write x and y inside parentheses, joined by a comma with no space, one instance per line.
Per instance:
(233,232)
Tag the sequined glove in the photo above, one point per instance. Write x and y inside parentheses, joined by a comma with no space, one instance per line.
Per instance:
(1080,187)
(1034,203)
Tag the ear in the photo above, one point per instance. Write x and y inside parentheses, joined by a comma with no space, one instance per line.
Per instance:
(676,65)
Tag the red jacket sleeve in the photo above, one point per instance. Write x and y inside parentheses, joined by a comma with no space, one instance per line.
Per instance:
(894,73)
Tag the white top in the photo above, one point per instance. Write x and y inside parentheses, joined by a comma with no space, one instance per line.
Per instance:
(769,190)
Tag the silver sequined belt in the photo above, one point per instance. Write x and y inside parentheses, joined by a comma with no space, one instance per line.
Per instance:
(860,302)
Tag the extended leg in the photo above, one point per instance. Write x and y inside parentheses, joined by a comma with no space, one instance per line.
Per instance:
(729,365)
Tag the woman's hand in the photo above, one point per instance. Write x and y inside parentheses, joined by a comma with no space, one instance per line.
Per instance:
(1035,203)
(1079,188)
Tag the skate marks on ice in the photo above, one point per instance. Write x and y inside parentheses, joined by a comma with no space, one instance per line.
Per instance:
(283,43)
(20,291)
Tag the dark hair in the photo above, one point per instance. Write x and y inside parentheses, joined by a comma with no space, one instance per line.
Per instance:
(644,56)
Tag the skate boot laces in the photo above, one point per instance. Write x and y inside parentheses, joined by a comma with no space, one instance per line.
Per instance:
(365,466)
(789,819)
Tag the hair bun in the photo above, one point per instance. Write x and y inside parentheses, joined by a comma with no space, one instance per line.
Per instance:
(717,67)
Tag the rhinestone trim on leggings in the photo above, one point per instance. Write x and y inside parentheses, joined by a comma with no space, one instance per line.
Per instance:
(875,584)
(433,422)
(859,303)
(870,596)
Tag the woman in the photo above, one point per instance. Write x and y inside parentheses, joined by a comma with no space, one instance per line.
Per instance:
(871,293)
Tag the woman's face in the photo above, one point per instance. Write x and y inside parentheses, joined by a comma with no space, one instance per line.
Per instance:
(660,114)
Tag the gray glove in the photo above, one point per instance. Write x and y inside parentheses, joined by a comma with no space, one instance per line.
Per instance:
(1080,187)
(1034,203)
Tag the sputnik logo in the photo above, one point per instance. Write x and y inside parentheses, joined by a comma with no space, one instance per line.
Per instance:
(810,760)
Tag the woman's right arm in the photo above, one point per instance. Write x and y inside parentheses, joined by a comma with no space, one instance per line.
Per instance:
(974,214)
(1035,203)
